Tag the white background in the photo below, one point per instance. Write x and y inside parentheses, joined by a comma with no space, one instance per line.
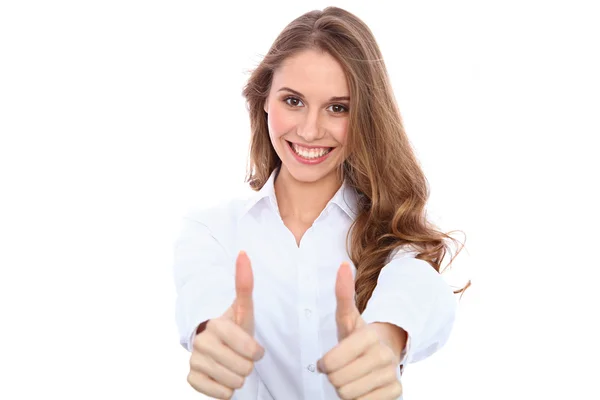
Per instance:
(118,116)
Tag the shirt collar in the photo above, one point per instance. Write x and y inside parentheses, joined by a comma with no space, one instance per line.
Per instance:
(267,191)
(346,198)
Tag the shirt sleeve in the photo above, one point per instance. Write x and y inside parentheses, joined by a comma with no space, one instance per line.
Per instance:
(413,296)
(204,278)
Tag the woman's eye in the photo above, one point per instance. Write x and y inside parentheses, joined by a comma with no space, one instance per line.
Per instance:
(339,108)
(293,99)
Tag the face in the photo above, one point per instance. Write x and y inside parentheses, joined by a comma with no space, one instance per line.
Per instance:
(307,109)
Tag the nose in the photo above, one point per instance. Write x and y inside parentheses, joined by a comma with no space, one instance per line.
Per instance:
(310,128)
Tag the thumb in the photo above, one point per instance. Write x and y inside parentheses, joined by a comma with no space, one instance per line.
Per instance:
(243,306)
(347,317)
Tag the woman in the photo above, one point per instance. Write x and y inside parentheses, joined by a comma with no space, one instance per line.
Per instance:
(338,192)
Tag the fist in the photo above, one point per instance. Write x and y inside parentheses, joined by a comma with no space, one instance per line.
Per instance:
(224,353)
(361,366)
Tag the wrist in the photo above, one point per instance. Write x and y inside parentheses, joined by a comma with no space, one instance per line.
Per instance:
(393,337)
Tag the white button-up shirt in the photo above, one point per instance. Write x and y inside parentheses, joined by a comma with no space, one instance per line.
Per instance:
(294,295)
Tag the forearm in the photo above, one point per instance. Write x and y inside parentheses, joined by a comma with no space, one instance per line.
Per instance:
(392,336)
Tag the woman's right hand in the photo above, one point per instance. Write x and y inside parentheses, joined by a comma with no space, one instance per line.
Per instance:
(225,351)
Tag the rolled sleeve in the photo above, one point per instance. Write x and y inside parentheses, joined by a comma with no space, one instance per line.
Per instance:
(204,278)
(413,296)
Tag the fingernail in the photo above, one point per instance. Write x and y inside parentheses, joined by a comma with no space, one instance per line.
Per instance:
(320,366)
(260,353)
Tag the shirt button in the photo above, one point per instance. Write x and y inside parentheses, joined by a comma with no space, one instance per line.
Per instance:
(311,368)
(307,312)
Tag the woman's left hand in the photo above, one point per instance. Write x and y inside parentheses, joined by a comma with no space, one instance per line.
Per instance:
(361,366)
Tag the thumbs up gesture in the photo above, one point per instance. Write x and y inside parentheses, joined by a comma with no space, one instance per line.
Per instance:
(224,353)
(242,310)
(361,366)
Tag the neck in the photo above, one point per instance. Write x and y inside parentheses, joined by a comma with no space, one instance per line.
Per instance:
(304,201)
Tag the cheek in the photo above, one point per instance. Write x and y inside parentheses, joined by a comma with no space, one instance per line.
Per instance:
(280,122)
(340,131)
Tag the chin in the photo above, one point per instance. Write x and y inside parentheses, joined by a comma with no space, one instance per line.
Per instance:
(308,174)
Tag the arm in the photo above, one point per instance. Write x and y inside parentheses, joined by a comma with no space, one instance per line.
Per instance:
(204,279)
(392,336)
(412,296)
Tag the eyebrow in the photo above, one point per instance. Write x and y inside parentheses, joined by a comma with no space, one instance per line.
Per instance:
(334,98)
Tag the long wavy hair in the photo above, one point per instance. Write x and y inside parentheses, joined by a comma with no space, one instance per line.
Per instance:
(379,164)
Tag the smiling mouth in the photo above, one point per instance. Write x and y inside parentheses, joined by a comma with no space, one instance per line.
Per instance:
(308,152)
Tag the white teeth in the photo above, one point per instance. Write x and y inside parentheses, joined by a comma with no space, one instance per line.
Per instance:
(309,153)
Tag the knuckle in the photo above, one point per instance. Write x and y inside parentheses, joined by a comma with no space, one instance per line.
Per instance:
(325,361)
(255,349)
(197,342)
(387,376)
(381,377)
(334,379)
(196,363)
(226,393)
(193,362)
(210,325)
(200,342)
(384,355)
(372,336)
(201,364)
(343,393)
(397,389)
(251,345)
(246,367)
(247,345)
(214,325)
(239,383)
(192,381)
(392,373)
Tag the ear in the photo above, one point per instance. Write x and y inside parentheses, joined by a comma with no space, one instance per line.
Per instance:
(266,106)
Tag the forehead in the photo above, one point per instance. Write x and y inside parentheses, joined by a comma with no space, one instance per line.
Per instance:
(313,73)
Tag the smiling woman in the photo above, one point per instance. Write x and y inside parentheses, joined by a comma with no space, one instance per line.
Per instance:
(331,266)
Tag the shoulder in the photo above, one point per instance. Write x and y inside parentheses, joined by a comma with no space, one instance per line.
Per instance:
(220,217)
(403,266)
(402,253)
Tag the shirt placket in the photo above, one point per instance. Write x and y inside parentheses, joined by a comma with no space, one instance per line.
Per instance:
(308,320)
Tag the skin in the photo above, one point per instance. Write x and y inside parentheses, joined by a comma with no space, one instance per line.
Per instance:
(314,120)
(363,364)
